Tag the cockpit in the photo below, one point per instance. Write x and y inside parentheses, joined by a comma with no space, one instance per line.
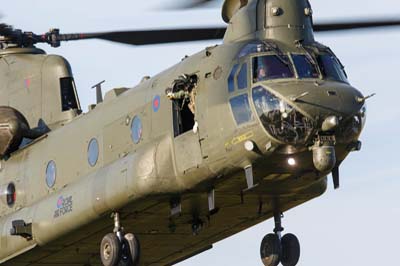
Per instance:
(270,63)
(260,66)
(300,66)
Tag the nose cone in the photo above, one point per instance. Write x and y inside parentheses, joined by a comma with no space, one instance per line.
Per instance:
(323,99)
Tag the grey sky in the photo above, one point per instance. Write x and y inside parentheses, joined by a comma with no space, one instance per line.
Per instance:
(357,225)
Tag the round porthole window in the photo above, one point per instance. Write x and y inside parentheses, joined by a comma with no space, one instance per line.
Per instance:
(93,152)
(11,195)
(136,129)
(51,174)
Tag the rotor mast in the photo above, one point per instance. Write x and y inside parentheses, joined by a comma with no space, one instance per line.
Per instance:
(287,21)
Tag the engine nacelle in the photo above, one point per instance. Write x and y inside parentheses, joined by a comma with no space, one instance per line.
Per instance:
(13,127)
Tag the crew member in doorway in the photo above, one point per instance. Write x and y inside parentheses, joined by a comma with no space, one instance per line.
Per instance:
(184,88)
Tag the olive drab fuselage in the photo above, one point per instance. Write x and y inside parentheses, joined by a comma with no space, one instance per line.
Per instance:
(256,142)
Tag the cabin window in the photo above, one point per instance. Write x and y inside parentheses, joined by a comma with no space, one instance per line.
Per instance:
(51,174)
(68,96)
(93,152)
(136,130)
(242,77)
(231,78)
(11,195)
(241,109)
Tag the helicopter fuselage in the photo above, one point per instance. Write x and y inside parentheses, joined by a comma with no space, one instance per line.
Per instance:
(166,177)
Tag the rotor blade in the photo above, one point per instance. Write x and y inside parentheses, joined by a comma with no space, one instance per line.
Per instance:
(187,4)
(152,36)
(350,25)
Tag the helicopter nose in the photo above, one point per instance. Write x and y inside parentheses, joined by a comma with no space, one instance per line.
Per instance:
(295,113)
(326,101)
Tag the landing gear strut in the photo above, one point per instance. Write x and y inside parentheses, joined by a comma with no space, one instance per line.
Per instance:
(119,249)
(275,249)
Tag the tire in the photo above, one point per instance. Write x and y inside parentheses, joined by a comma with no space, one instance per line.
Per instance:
(131,251)
(110,250)
(270,250)
(290,250)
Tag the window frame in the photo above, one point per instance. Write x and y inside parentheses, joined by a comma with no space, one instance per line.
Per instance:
(334,57)
(51,162)
(287,54)
(297,73)
(232,74)
(93,140)
(252,119)
(242,64)
(132,129)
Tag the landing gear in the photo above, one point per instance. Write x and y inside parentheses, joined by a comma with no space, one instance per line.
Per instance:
(290,250)
(117,249)
(275,249)
(110,250)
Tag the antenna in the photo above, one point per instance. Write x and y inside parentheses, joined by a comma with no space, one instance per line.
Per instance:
(99,93)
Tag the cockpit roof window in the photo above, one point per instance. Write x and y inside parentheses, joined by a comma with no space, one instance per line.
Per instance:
(271,67)
(304,66)
(331,68)
(250,48)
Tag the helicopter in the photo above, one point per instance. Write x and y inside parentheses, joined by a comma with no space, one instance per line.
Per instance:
(162,176)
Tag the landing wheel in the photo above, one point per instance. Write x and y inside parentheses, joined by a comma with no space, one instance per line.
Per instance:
(290,250)
(270,250)
(110,250)
(130,251)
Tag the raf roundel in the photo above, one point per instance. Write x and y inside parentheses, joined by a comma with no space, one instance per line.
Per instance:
(156,103)
(60,202)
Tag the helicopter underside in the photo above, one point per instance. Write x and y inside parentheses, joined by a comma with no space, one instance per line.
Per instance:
(166,239)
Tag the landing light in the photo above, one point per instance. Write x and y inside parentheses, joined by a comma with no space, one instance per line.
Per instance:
(291,161)
(249,145)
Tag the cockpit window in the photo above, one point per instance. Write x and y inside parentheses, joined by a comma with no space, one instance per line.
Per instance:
(242,77)
(304,66)
(231,79)
(331,68)
(241,109)
(68,97)
(271,67)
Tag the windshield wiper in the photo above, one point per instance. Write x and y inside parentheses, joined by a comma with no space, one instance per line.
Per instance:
(309,56)
(278,53)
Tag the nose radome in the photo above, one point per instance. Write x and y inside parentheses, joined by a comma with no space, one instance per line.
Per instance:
(324,100)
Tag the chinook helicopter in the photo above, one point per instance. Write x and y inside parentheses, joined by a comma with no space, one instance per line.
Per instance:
(273,115)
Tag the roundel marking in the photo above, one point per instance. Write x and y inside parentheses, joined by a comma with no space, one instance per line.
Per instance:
(156,103)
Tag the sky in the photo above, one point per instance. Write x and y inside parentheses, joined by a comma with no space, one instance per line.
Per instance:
(355,225)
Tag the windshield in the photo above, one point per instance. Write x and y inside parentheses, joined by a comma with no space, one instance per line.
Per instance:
(304,66)
(271,67)
(331,68)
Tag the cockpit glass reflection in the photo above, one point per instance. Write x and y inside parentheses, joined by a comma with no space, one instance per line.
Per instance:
(305,66)
(280,119)
(241,109)
(331,68)
(271,67)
